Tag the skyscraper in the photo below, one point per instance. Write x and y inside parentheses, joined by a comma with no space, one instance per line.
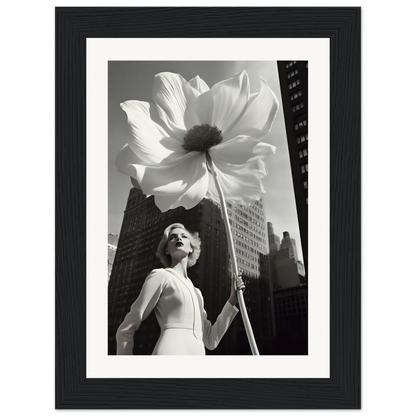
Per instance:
(293,76)
(112,248)
(291,314)
(274,240)
(290,244)
(248,225)
(141,231)
(290,297)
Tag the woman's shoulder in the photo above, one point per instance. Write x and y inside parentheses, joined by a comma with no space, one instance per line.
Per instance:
(158,274)
(159,271)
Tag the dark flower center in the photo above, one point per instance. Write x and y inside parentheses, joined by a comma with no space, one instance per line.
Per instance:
(202,138)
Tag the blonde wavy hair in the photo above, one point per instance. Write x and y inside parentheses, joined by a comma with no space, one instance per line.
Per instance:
(193,238)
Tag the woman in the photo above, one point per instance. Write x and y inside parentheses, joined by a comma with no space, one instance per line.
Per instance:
(179,306)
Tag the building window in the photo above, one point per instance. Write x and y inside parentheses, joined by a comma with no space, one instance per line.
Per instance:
(305,184)
(294,84)
(302,138)
(296,95)
(303,153)
(304,168)
(301,124)
(292,74)
(297,107)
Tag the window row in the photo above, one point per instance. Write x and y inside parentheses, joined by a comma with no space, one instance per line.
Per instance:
(250,226)
(246,263)
(217,222)
(296,95)
(297,107)
(240,227)
(245,246)
(294,84)
(303,153)
(238,234)
(245,254)
(249,217)
(292,74)
(302,138)
(301,124)
(288,65)
(304,168)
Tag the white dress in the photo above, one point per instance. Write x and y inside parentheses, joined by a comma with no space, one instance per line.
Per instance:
(179,308)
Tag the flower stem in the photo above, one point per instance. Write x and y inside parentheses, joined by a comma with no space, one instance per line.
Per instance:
(240,297)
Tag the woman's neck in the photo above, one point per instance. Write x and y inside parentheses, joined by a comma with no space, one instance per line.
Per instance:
(180,267)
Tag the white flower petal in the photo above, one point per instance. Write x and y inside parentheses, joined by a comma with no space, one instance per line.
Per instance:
(199,84)
(125,163)
(258,168)
(240,188)
(177,181)
(258,118)
(223,104)
(147,136)
(230,98)
(188,199)
(240,151)
(157,162)
(124,158)
(200,111)
(171,93)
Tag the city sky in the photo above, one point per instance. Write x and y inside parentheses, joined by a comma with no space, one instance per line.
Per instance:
(133,80)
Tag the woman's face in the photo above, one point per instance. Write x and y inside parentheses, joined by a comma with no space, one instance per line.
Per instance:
(178,244)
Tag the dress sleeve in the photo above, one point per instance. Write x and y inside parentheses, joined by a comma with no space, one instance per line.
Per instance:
(139,311)
(214,333)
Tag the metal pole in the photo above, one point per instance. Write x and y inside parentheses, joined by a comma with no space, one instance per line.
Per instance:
(240,297)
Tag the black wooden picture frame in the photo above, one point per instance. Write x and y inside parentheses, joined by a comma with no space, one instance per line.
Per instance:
(342,390)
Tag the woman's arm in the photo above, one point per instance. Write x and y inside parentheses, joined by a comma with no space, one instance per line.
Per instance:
(139,311)
(214,333)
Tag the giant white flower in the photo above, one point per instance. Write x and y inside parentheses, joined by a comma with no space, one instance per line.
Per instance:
(227,122)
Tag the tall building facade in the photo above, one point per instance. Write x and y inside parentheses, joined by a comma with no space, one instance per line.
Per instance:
(112,248)
(249,228)
(290,297)
(141,231)
(248,225)
(291,314)
(293,77)
(274,240)
(289,244)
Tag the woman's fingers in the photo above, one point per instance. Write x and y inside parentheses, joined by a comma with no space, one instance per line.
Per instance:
(240,284)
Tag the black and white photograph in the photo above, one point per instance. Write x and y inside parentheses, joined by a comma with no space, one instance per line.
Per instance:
(207,207)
